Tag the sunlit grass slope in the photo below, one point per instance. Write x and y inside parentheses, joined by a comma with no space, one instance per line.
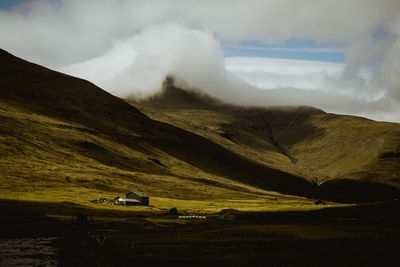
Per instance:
(64,139)
(304,141)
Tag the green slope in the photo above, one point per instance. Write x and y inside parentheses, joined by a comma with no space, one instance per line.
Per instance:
(304,141)
(64,139)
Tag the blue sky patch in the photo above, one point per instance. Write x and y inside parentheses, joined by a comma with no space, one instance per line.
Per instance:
(8,4)
(291,49)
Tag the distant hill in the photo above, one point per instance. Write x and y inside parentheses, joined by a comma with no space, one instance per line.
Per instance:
(327,149)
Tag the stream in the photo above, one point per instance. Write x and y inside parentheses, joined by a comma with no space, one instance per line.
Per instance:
(28,252)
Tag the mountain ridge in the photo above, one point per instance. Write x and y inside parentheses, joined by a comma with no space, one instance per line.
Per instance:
(319,146)
(61,132)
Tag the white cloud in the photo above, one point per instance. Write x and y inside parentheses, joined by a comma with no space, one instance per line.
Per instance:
(138,65)
(313,83)
(128,46)
(271,73)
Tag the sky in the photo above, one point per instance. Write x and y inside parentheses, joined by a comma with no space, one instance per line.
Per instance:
(290,49)
(9,4)
(338,55)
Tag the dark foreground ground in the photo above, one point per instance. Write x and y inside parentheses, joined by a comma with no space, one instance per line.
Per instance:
(365,235)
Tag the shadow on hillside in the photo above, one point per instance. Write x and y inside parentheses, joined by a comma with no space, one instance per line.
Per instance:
(280,127)
(353,191)
(292,125)
(111,158)
(213,158)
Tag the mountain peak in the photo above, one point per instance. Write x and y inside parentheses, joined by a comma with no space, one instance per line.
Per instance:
(172,97)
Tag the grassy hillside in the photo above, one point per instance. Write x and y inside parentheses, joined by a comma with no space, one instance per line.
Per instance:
(64,139)
(303,141)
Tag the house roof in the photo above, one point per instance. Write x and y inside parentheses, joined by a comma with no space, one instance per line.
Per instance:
(137,193)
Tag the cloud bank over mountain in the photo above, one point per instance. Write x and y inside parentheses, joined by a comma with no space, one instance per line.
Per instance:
(128,47)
